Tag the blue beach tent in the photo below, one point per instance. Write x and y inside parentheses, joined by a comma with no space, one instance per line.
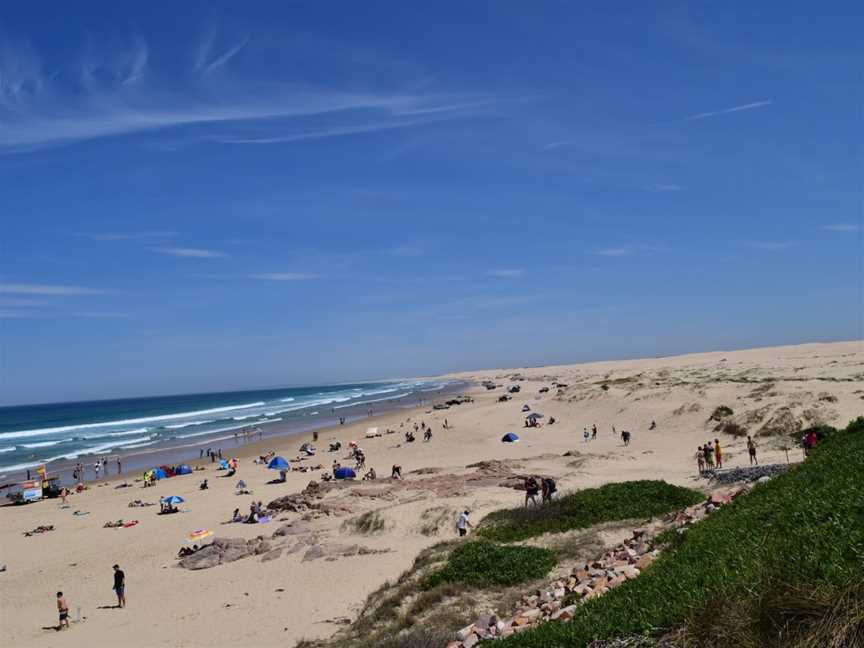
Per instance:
(158,473)
(344,473)
(183,469)
(509,438)
(278,463)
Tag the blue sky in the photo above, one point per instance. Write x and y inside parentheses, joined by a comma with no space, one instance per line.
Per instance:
(207,196)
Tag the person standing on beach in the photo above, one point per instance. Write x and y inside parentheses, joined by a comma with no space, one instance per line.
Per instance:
(718,453)
(594,432)
(463,523)
(532,488)
(63,611)
(585,434)
(119,466)
(700,459)
(751,450)
(96,468)
(120,586)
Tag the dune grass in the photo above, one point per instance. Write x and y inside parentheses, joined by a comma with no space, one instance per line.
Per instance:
(585,508)
(767,566)
(485,564)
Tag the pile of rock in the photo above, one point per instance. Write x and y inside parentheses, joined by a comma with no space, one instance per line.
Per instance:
(618,565)
(225,550)
(746,474)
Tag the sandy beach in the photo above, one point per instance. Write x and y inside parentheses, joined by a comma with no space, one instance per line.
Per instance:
(293,594)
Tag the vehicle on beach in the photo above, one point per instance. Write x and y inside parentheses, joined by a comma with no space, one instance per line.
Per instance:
(33,490)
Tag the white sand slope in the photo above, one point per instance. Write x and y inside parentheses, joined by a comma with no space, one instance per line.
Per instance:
(249,602)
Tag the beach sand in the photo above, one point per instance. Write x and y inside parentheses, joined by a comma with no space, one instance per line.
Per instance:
(277,602)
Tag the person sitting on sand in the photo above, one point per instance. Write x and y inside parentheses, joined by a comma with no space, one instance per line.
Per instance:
(427,435)
(653,425)
(370,475)
(532,488)
(63,611)
(396,472)
(236,517)
(551,420)
(203,485)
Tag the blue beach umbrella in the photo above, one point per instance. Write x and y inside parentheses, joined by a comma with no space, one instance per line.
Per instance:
(173,500)
(278,463)
(509,438)
(344,473)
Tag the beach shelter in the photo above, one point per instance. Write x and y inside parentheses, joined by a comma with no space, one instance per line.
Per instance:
(509,438)
(200,534)
(344,473)
(158,473)
(525,408)
(173,500)
(183,469)
(223,464)
(278,463)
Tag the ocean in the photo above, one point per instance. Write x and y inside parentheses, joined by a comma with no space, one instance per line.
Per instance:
(62,433)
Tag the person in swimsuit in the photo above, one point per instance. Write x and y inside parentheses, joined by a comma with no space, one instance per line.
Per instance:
(120,586)
(751,450)
(532,488)
(63,611)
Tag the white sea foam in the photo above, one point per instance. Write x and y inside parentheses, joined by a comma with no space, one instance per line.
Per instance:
(43,444)
(225,429)
(373,400)
(183,425)
(8,449)
(147,419)
(105,447)
(285,400)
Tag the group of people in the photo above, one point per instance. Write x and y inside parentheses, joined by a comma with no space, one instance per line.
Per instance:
(213,455)
(256,512)
(543,486)
(100,467)
(710,456)
(247,434)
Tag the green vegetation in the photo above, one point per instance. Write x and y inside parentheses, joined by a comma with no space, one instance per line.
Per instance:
(368,523)
(720,413)
(585,508)
(484,564)
(779,566)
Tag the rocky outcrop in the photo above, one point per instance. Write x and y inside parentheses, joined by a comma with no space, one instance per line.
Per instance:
(225,550)
(332,551)
(746,474)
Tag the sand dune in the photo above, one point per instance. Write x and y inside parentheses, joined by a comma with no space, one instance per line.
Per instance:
(330,558)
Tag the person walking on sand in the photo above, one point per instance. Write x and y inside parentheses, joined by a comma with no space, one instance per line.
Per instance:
(700,459)
(120,586)
(585,434)
(463,523)
(594,432)
(96,468)
(62,611)
(718,454)
(751,450)
(709,455)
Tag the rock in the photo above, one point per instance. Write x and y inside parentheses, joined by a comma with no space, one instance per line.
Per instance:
(644,561)
(531,615)
(465,632)
(559,593)
(271,555)
(599,583)
(292,529)
(565,614)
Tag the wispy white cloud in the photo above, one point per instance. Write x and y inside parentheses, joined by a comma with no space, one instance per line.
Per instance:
(285,276)
(128,236)
(82,101)
(102,315)
(13,314)
(191,253)
(405,251)
(659,188)
(727,111)
(843,227)
(770,245)
(614,252)
(46,289)
(506,273)
(19,303)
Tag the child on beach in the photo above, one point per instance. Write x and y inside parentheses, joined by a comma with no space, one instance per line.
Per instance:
(63,611)
(463,523)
